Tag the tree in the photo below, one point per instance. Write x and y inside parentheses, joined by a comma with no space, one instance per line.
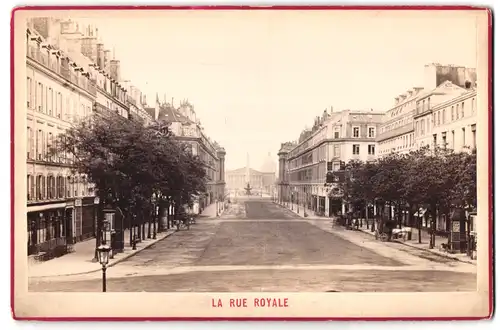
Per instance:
(130,161)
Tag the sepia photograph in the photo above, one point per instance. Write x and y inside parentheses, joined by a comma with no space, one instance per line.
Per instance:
(252,163)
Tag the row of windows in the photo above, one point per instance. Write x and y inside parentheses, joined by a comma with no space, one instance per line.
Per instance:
(397,144)
(51,187)
(311,157)
(456,112)
(398,110)
(423,105)
(444,116)
(356,149)
(39,146)
(47,100)
(320,153)
(445,142)
(397,124)
(316,173)
(356,133)
(112,88)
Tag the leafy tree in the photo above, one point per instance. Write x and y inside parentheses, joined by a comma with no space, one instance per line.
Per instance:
(130,161)
(436,180)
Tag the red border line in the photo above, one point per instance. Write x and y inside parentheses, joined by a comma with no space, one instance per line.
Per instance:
(490,162)
(227,7)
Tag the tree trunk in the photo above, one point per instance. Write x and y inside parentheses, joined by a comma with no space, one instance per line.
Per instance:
(400,220)
(139,221)
(161,209)
(390,211)
(366,215)
(374,215)
(411,217)
(432,231)
(149,224)
(419,226)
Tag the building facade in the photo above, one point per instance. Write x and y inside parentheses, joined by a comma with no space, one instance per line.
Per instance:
(399,131)
(334,138)
(59,92)
(446,117)
(237,179)
(188,129)
(69,76)
(442,114)
(261,181)
(396,131)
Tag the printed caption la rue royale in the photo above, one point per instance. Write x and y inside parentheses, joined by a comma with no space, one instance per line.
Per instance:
(250,302)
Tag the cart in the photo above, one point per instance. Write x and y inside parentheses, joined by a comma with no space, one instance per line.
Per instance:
(384,230)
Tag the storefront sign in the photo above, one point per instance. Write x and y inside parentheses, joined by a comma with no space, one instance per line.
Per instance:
(78,202)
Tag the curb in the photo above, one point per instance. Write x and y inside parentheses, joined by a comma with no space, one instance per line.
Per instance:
(424,249)
(109,265)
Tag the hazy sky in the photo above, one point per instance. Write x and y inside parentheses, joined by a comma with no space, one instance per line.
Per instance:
(257,78)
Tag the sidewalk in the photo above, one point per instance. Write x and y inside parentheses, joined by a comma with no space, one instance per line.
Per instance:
(211,211)
(80,261)
(462,257)
(310,214)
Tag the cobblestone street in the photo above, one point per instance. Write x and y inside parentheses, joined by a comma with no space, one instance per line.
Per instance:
(259,246)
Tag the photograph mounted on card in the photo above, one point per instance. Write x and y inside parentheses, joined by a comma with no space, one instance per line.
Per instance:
(278,163)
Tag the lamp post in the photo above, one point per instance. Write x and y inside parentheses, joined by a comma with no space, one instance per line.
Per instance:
(103,253)
(97,229)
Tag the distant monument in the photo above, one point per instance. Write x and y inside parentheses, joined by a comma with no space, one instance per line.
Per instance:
(247,177)
(248,189)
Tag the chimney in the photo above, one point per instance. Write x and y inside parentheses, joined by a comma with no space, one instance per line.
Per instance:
(114,68)
(89,46)
(100,55)
(396,100)
(107,59)
(41,25)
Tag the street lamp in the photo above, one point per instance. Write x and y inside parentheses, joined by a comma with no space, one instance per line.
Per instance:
(97,231)
(103,253)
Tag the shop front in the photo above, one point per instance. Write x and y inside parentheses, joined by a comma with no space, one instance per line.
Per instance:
(47,229)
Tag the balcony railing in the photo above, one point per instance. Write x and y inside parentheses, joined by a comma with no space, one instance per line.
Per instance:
(45,60)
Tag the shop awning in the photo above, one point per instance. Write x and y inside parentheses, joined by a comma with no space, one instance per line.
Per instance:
(36,208)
